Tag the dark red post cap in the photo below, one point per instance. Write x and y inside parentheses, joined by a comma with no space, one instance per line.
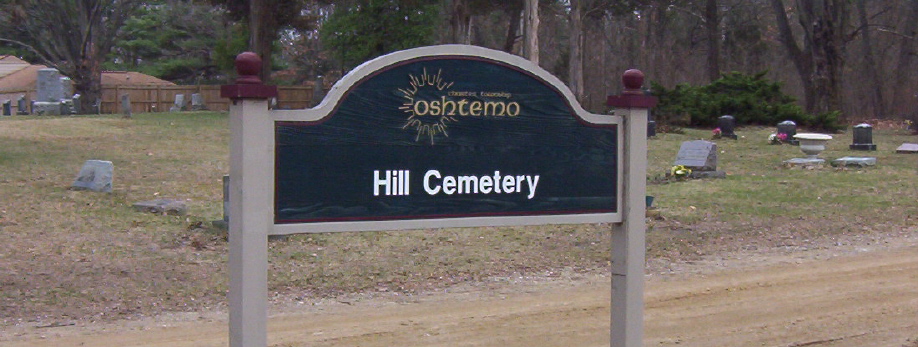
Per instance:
(248,84)
(632,95)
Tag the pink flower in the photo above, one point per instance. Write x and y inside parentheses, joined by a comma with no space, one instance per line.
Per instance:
(782,136)
(716,131)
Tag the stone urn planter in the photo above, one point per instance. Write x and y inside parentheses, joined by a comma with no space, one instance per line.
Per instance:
(812,144)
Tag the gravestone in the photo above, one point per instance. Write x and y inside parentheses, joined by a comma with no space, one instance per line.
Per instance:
(49,91)
(66,87)
(855,161)
(226,184)
(67,107)
(162,206)
(651,128)
(95,175)
(727,125)
(790,128)
(46,108)
(22,106)
(49,87)
(698,155)
(701,157)
(126,105)
(197,102)
(863,138)
(908,148)
(77,98)
(7,108)
(179,103)
(224,223)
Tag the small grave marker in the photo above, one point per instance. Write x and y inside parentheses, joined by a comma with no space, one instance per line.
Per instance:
(22,106)
(908,148)
(179,103)
(95,175)
(855,161)
(126,105)
(7,108)
(197,102)
(162,206)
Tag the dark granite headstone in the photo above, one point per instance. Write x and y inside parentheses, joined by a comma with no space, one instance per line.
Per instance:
(651,128)
(863,138)
(7,108)
(790,128)
(727,125)
(698,155)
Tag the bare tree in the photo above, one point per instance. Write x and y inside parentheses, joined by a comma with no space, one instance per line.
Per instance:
(870,66)
(905,90)
(575,66)
(819,63)
(532,31)
(73,36)
(712,26)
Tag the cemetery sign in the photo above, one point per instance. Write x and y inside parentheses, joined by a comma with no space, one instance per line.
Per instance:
(446,136)
(434,137)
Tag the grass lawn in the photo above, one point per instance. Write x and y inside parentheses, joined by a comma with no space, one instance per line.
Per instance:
(68,254)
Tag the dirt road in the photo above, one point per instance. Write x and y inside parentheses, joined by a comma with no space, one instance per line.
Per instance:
(869,298)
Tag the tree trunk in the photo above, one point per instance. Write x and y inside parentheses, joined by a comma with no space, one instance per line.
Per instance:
(514,13)
(575,65)
(264,32)
(712,26)
(800,57)
(532,31)
(904,94)
(459,22)
(870,66)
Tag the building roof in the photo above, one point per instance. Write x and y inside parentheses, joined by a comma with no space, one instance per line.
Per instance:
(121,78)
(18,75)
(10,64)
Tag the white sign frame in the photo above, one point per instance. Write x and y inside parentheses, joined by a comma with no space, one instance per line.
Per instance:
(251,195)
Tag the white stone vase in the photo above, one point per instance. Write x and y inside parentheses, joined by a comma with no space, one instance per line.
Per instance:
(812,144)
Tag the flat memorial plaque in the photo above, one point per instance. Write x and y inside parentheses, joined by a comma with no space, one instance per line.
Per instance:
(907,148)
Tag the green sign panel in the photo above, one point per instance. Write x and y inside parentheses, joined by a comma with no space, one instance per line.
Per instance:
(445,137)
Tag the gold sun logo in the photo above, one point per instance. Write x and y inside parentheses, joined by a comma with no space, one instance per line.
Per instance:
(426,117)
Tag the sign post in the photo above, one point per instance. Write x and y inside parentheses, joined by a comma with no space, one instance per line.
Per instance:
(434,137)
(628,240)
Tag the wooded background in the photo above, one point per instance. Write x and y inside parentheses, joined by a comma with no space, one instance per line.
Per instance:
(853,56)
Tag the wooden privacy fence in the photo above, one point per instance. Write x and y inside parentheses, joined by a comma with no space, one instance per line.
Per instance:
(154,98)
